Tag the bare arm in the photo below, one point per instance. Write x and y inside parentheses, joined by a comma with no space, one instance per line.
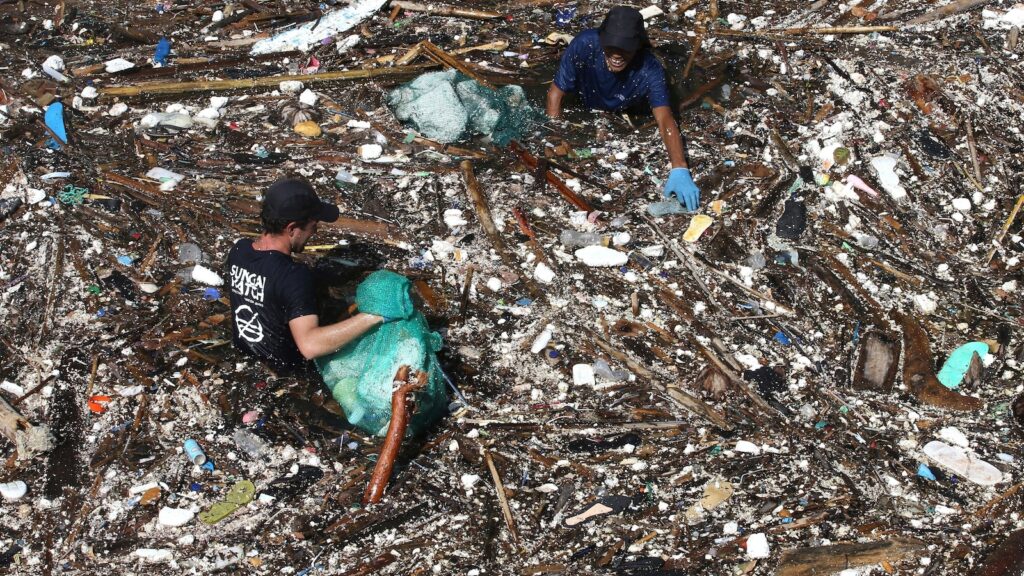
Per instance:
(314,340)
(670,134)
(554,101)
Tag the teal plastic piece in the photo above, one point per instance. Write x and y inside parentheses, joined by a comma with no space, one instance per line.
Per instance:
(953,371)
(360,375)
(54,118)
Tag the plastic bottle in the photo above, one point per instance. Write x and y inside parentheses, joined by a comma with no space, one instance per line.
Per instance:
(574,238)
(250,443)
(604,371)
(867,241)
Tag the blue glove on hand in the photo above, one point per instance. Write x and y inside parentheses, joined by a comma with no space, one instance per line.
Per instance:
(680,183)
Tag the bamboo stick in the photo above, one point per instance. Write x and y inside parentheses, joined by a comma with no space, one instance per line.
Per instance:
(502,499)
(445,59)
(1006,227)
(164,88)
(437,10)
(947,10)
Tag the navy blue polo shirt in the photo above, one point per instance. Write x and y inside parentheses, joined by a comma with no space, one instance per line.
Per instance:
(584,72)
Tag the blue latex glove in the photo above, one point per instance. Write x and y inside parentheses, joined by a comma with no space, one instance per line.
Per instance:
(680,184)
(163,49)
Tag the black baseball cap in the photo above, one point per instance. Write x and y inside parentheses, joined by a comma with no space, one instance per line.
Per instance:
(623,28)
(294,200)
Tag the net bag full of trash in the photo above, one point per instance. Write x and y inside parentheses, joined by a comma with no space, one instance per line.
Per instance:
(447,106)
(360,374)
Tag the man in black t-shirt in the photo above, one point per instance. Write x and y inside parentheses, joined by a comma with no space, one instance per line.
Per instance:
(272,297)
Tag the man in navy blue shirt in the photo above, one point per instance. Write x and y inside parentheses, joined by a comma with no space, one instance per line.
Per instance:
(612,68)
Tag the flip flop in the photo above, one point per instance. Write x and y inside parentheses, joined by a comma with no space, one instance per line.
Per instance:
(606,505)
(241,493)
(218,512)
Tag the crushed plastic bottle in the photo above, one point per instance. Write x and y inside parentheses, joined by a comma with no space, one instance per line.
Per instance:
(251,444)
(665,208)
(605,372)
(574,238)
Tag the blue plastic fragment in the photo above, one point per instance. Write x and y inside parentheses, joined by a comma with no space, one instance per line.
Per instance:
(820,425)
(959,361)
(163,50)
(125,260)
(524,302)
(781,338)
(195,486)
(101,312)
(208,466)
(925,472)
(211,294)
(54,119)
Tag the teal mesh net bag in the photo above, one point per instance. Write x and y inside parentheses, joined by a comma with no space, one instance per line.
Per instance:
(447,106)
(360,374)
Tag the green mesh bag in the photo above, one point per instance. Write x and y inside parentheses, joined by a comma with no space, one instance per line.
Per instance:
(447,106)
(360,374)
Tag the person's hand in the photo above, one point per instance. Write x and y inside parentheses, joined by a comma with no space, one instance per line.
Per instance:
(680,183)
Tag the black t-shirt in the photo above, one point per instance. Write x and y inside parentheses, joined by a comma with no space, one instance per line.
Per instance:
(268,289)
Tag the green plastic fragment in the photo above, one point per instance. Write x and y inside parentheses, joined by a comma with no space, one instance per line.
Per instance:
(409,137)
(94,289)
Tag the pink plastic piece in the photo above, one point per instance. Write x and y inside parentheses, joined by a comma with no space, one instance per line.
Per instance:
(250,417)
(860,185)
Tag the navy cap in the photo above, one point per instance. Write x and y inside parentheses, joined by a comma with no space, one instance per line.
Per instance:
(294,200)
(623,28)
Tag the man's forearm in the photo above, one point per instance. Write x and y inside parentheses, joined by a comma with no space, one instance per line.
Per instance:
(671,136)
(327,339)
(554,101)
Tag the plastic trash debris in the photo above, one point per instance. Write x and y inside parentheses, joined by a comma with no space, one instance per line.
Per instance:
(194,452)
(360,375)
(204,275)
(308,128)
(954,436)
(860,185)
(118,65)
(163,50)
(543,274)
(666,208)
(240,494)
(747,447)
(605,372)
(333,23)
(155,555)
(573,238)
(13,491)
(175,517)
(446,106)
(611,504)
(698,225)
(885,166)
(924,304)
(963,463)
(53,66)
(925,472)
(250,444)
(793,222)
(583,375)
(757,546)
(959,362)
(54,118)
(601,257)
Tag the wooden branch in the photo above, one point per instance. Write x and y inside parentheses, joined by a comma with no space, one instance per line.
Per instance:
(697,406)
(973,148)
(1006,559)
(393,440)
(947,10)
(1006,227)
(382,231)
(165,88)
(836,30)
(499,487)
(487,223)
(530,161)
(919,374)
(445,59)
(28,440)
(437,10)
(837,557)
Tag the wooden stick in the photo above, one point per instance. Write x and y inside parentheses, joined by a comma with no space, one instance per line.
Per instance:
(530,161)
(445,10)
(393,440)
(155,88)
(835,30)
(500,488)
(27,439)
(947,10)
(695,405)
(382,231)
(446,59)
(1006,227)
(487,223)
(836,557)
(413,52)
(972,147)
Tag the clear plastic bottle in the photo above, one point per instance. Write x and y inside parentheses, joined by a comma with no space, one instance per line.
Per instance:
(665,208)
(251,444)
(574,238)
